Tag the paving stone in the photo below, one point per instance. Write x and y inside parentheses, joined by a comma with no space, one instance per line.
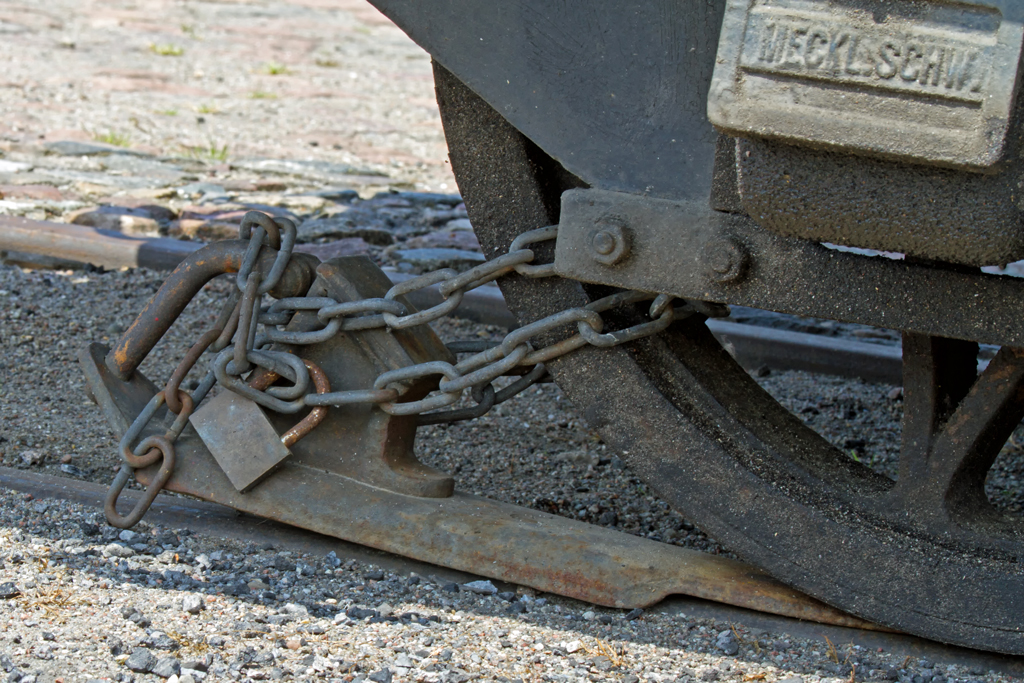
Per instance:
(135,222)
(41,192)
(445,239)
(202,230)
(343,226)
(14,166)
(316,170)
(425,260)
(77,148)
(352,246)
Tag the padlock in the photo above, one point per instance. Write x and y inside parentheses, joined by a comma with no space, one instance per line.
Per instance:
(240,437)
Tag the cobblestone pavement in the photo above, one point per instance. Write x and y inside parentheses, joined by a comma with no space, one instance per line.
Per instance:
(326,80)
(173,119)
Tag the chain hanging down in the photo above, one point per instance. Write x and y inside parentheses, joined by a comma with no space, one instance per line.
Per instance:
(248,336)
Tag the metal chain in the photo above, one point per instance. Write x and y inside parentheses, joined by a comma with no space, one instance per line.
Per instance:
(517,353)
(278,233)
(240,346)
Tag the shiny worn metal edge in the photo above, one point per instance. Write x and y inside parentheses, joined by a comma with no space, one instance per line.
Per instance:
(469,533)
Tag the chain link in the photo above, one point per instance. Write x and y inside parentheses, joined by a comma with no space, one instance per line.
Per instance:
(240,346)
(518,351)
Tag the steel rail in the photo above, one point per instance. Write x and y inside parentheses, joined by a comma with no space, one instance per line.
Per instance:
(753,346)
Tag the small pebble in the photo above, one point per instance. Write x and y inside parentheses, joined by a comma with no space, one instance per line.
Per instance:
(141,660)
(480,587)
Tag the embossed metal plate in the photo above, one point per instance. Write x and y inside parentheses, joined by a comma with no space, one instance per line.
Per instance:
(920,79)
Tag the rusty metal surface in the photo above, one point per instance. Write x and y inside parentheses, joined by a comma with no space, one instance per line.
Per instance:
(242,440)
(680,248)
(184,283)
(217,521)
(105,248)
(357,440)
(472,534)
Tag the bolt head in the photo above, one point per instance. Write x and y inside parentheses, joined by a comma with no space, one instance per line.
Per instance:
(603,242)
(727,260)
(609,243)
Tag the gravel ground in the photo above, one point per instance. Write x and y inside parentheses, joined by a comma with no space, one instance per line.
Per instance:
(154,123)
(174,604)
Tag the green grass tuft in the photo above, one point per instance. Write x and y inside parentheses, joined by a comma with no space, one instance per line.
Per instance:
(167,50)
(210,152)
(113,138)
(275,69)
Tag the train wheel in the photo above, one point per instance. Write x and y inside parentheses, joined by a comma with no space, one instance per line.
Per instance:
(926,554)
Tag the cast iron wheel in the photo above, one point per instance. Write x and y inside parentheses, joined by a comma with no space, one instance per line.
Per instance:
(927,555)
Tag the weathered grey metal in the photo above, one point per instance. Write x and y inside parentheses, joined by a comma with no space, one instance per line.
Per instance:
(933,213)
(628,75)
(925,81)
(677,247)
(928,89)
(240,438)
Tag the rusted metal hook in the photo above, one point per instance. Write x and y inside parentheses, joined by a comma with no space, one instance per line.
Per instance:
(267,377)
(185,282)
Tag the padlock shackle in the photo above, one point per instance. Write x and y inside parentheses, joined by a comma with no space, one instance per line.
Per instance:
(185,282)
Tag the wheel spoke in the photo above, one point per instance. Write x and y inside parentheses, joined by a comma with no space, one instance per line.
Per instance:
(937,374)
(948,483)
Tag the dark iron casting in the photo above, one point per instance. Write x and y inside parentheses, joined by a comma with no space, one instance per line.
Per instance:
(915,82)
(631,77)
(897,78)
(618,94)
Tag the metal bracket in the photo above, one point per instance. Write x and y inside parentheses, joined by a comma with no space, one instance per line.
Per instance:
(688,250)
